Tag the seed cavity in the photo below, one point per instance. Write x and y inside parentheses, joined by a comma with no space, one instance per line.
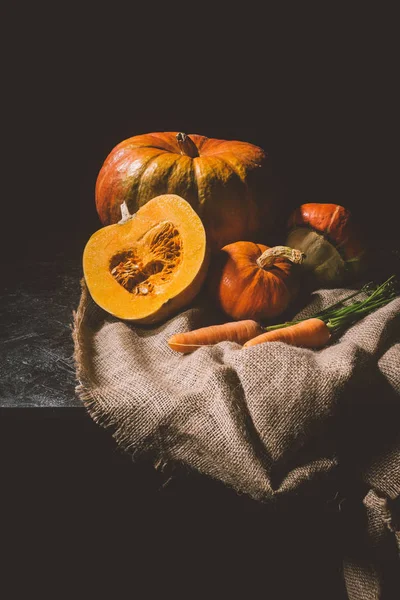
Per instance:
(151,262)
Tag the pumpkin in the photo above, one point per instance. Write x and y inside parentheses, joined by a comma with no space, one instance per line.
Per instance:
(228,183)
(149,265)
(254,281)
(331,240)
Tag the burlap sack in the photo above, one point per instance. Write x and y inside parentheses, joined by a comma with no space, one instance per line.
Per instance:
(268,421)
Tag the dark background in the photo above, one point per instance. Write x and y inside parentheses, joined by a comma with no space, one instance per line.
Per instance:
(318,92)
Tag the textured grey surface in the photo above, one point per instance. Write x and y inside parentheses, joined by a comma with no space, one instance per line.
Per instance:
(36,349)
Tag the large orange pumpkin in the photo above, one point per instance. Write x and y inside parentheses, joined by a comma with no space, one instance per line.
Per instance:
(228,183)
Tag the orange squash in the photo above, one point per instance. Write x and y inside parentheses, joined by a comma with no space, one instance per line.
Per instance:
(150,264)
(254,281)
(228,183)
(332,242)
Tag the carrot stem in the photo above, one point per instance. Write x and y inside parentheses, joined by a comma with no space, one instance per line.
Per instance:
(339,316)
(324,313)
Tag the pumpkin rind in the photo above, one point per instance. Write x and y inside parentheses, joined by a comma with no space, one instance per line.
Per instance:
(228,184)
(165,282)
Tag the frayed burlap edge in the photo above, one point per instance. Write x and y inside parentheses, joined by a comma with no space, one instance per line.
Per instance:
(87,312)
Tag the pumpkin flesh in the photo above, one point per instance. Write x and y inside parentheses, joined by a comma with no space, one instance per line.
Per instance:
(149,266)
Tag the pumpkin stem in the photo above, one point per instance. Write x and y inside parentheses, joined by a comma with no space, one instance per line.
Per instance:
(125,214)
(268,257)
(187,145)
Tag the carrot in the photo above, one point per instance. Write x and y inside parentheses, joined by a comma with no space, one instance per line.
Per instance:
(310,333)
(236,331)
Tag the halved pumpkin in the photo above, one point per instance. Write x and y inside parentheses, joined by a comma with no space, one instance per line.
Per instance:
(150,264)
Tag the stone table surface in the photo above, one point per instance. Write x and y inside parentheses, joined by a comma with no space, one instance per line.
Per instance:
(36,348)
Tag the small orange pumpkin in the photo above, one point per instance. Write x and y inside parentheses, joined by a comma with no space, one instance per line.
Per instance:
(228,183)
(331,240)
(254,281)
